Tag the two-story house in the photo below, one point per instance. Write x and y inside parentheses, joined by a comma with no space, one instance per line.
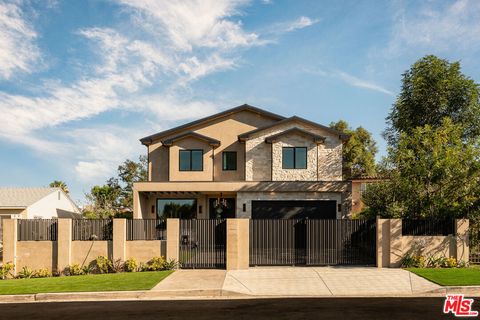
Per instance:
(244,162)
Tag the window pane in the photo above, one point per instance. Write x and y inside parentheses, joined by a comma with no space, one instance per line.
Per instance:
(300,158)
(229,160)
(197,160)
(177,208)
(287,158)
(184,160)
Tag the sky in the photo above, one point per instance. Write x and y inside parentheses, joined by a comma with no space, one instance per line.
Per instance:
(82,81)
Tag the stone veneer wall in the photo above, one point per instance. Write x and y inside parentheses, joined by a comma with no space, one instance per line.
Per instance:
(259,167)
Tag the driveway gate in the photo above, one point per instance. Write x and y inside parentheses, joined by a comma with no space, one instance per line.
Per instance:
(312,242)
(203,243)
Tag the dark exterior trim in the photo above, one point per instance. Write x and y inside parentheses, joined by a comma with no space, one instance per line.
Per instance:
(211,141)
(149,139)
(316,138)
(248,135)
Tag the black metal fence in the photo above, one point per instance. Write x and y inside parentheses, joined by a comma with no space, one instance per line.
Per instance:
(474,243)
(37,230)
(146,229)
(428,227)
(203,243)
(312,242)
(92,229)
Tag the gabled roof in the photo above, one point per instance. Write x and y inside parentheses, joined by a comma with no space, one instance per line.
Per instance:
(22,197)
(149,139)
(248,135)
(316,138)
(211,141)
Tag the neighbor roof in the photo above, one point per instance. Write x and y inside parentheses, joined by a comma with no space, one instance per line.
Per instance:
(248,135)
(316,138)
(22,197)
(211,141)
(149,139)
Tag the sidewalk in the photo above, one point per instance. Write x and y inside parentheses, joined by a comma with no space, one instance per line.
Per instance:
(271,282)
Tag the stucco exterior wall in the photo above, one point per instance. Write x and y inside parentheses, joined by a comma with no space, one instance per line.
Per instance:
(247,197)
(56,204)
(174,161)
(36,255)
(89,250)
(143,251)
(259,156)
(17,213)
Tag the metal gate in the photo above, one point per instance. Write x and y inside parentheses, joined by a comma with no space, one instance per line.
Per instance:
(203,243)
(312,242)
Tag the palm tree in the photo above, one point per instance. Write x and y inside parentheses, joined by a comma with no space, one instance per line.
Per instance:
(59,184)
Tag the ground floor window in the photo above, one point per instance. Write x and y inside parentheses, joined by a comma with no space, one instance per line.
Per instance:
(177,208)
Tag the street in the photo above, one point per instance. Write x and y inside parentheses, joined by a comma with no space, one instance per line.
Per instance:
(293,308)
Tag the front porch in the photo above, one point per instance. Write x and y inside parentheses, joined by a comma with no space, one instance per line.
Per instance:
(209,200)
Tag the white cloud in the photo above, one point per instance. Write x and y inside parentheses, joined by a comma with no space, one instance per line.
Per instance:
(362,83)
(437,26)
(290,26)
(18,50)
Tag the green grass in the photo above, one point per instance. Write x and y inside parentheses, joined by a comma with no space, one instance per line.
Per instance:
(128,281)
(450,276)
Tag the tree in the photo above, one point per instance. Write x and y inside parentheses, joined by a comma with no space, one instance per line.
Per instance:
(60,184)
(433,89)
(437,174)
(130,172)
(104,200)
(358,152)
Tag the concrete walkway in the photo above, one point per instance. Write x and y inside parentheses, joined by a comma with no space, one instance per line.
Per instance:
(299,281)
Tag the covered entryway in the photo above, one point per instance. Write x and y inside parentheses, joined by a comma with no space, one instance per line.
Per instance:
(312,242)
(294,209)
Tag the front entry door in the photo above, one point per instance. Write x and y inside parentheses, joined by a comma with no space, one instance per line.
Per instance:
(221,208)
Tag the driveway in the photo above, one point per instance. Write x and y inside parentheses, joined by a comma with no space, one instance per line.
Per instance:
(298,281)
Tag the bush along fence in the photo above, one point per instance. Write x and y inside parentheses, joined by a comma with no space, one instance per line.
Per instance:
(55,245)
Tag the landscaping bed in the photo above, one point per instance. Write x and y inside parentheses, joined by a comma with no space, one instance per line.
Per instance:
(450,276)
(130,281)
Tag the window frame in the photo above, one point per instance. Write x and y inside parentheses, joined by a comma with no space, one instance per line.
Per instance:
(224,153)
(190,151)
(295,158)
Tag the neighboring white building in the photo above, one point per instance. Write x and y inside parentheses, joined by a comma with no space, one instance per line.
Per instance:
(36,203)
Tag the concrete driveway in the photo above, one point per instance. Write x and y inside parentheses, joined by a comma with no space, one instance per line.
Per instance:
(298,281)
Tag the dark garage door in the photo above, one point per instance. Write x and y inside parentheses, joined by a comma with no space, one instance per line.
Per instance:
(294,209)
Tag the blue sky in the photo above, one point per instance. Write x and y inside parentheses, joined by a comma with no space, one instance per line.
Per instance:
(82,81)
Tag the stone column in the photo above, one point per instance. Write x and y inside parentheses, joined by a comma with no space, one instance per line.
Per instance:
(64,244)
(119,238)
(383,243)
(462,241)
(238,238)
(10,242)
(396,249)
(173,239)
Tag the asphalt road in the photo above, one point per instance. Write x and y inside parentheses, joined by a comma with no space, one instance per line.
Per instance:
(295,308)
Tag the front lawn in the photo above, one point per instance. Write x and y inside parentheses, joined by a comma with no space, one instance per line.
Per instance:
(128,281)
(450,276)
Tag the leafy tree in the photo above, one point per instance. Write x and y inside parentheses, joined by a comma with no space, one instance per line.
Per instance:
(130,172)
(358,152)
(60,184)
(104,200)
(433,89)
(436,175)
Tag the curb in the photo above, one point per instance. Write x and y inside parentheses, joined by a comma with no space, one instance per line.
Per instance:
(466,290)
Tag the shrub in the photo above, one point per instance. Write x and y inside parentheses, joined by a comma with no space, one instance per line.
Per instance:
(156,264)
(411,261)
(26,273)
(450,262)
(171,265)
(131,265)
(42,273)
(6,270)
(73,270)
(117,266)
(102,265)
(142,266)
(87,269)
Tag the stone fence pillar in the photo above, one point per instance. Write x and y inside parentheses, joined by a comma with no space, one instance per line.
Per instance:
(119,239)
(173,239)
(10,242)
(64,244)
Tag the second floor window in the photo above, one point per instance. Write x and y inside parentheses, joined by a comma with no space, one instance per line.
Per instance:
(191,160)
(294,158)
(229,160)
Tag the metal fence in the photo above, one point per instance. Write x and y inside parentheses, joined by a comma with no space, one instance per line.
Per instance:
(203,243)
(146,229)
(474,239)
(428,227)
(312,242)
(92,229)
(37,230)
